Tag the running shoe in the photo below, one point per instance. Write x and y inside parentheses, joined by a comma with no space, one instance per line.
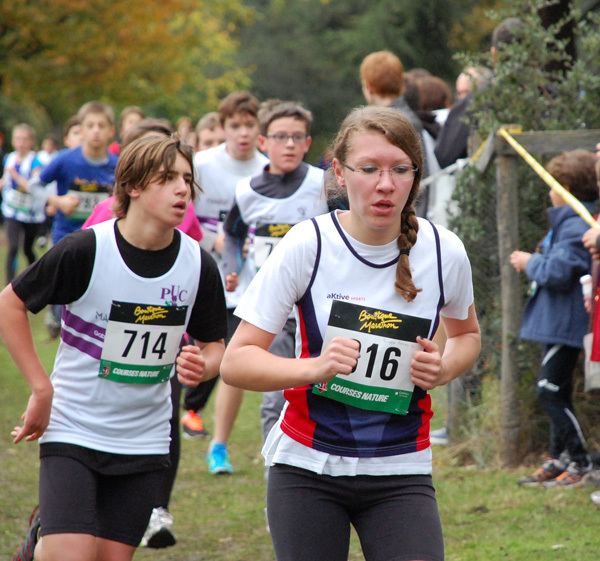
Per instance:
(193,427)
(218,459)
(25,551)
(592,478)
(159,535)
(571,477)
(550,470)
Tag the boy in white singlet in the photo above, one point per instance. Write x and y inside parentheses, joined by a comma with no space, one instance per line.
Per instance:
(218,170)
(131,287)
(266,206)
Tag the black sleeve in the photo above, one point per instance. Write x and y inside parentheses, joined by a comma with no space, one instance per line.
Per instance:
(62,275)
(208,321)
(452,141)
(234,225)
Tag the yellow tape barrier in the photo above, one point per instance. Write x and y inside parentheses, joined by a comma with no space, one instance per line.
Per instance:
(572,201)
(475,156)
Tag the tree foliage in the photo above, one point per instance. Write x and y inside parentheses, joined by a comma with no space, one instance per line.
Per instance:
(540,81)
(472,25)
(311,50)
(175,55)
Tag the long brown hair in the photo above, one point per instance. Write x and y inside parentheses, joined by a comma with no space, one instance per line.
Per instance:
(398,131)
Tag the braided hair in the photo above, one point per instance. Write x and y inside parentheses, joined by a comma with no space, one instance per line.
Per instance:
(398,131)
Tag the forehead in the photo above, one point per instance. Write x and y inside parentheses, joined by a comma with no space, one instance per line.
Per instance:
(21,133)
(463,82)
(285,124)
(181,164)
(217,131)
(375,146)
(133,117)
(90,118)
(239,118)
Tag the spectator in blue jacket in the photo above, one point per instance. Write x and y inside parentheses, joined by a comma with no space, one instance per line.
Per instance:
(556,317)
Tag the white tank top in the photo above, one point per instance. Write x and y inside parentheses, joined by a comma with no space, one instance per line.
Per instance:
(269,219)
(118,344)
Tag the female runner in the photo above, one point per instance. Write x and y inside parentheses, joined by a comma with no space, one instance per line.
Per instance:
(369,286)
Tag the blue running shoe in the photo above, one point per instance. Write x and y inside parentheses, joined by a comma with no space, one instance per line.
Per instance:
(218,459)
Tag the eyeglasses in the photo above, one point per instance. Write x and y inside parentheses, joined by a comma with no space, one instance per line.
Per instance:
(398,174)
(282,138)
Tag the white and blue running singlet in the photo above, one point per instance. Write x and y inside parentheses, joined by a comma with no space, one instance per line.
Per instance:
(269,219)
(316,265)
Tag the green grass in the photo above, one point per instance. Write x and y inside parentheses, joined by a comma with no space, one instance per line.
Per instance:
(486,516)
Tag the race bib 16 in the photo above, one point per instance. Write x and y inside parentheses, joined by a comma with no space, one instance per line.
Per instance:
(381,378)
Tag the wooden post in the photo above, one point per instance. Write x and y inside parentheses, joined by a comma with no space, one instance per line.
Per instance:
(507,215)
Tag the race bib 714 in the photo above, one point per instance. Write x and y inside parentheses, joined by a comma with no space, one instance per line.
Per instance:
(141,342)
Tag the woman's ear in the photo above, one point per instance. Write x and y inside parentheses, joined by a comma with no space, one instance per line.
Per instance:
(339,176)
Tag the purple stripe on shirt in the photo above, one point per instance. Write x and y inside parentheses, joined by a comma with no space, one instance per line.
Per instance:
(81,344)
(77,324)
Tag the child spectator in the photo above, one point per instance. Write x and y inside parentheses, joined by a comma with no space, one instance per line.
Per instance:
(103,415)
(209,131)
(266,206)
(556,317)
(22,211)
(218,170)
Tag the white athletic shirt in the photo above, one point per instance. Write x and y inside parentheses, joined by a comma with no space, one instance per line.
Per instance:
(217,173)
(28,207)
(268,217)
(114,416)
(342,275)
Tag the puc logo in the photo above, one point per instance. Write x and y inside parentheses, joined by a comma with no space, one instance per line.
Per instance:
(173,294)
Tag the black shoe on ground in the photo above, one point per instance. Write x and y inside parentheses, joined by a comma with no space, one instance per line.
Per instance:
(25,551)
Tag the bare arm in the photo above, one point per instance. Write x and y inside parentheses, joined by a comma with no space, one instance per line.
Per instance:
(429,369)
(248,364)
(20,180)
(16,333)
(65,203)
